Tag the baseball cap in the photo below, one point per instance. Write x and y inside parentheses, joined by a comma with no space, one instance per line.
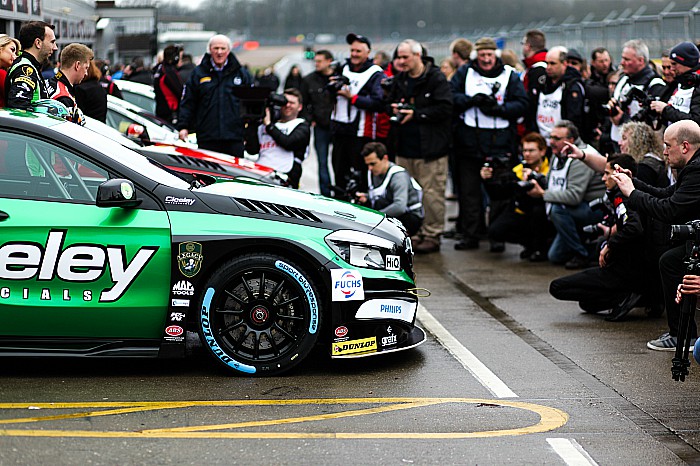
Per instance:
(352,37)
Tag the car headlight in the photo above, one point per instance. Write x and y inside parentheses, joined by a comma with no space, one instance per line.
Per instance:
(360,249)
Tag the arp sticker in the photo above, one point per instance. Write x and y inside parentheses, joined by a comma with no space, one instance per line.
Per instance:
(364,345)
(190,258)
(346,285)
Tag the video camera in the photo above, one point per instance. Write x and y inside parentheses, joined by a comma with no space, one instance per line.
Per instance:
(689,232)
(275,102)
(253,102)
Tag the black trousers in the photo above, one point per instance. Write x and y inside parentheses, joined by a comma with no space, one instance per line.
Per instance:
(532,230)
(596,289)
(225,146)
(672,270)
(471,218)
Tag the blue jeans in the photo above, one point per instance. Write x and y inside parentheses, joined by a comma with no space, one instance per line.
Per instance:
(322,141)
(568,221)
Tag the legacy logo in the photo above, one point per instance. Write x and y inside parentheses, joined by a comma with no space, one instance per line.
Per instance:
(347,285)
(76,263)
(189,259)
(183,288)
(355,346)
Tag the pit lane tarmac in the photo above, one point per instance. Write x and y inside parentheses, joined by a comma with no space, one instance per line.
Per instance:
(63,414)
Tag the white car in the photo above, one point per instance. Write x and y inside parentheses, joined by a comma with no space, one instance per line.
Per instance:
(139,94)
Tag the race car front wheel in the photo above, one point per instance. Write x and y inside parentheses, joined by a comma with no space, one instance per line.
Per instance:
(260,314)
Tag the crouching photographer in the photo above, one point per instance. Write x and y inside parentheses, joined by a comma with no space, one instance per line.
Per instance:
(618,281)
(282,143)
(524,221)
(391,189)
(675,204)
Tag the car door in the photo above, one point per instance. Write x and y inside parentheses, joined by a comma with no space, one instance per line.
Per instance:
(67,267)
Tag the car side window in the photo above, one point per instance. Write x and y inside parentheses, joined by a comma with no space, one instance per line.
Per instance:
(34,169)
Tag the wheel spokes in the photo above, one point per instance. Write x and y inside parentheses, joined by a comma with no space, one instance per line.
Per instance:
(235,297)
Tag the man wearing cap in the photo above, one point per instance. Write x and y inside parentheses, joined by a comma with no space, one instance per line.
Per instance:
(562,97)
(684,103)
(637,73)
(354,118)
(490,98)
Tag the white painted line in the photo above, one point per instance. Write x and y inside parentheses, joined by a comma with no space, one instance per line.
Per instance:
(470,362)
(571,452)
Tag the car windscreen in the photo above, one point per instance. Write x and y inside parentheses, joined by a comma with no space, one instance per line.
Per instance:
(120,154)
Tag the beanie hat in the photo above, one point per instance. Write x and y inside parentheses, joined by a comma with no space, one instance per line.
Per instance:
(685,53)
(485,43)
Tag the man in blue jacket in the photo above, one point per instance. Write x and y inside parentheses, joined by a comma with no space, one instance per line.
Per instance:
(209,106)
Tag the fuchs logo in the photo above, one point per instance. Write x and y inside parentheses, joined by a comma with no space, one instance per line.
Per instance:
(80,263)
(341,331)
(179,200)
(189,259)
(183,288)
(174,330)
(348,286)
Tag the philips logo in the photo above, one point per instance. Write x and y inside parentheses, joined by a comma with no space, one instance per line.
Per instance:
(179,200)
(390,309)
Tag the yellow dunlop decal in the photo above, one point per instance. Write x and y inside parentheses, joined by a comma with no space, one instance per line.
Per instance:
(364,345)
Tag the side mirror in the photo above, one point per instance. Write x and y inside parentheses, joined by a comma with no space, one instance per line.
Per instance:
(117,193)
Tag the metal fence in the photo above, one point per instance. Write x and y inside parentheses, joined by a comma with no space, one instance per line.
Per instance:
(660,32)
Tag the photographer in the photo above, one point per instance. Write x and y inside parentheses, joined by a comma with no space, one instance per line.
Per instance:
(489,97)
(618,281)
(421,104)
(684,103)
(282,144)
(675,204)
(571,185)
(637,74)
(525,220)
(391,189)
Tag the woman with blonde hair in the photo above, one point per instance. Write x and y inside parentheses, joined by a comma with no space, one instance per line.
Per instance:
(644,144)
(9,47)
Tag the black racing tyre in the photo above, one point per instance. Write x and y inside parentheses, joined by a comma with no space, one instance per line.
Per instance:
(260,314)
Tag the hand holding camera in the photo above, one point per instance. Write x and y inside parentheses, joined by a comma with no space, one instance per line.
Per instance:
(486,172)
(403,113)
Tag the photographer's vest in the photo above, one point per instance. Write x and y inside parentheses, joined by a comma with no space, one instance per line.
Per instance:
(549,111)
(273,155)
(344,111)
(680,100)
(620,93)
(557,177)
(476,84)
(376,193)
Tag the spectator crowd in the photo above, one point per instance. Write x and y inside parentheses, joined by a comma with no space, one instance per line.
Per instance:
(583,163)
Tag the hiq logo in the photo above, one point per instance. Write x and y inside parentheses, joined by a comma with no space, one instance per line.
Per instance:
(348,284)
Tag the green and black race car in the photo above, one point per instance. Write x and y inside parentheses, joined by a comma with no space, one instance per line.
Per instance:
(103,253)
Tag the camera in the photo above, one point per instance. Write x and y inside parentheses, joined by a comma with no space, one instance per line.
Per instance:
(601,204)
(529,183)
(398,118)
(352,185)
(275,102)
(687,232)
(387,83)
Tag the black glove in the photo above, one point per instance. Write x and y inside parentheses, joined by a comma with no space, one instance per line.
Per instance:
(494,110)
(481,100)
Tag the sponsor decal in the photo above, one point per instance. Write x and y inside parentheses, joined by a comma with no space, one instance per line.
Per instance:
(392,262)
(205,79)
(27,70)
(364,345)
(180,303)
(25,80)
(126,189)
(389,340)
(189,258)
(183,288)
(308,290)
(207,333)
(174,330)
(76,263)
(341,331)
(179,200)
(177,316)
(397,309)
(346,285)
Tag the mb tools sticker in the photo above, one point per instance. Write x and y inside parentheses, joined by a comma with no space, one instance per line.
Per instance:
(347,285)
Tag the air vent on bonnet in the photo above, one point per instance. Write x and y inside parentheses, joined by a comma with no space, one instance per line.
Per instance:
(195,162)
(269,208)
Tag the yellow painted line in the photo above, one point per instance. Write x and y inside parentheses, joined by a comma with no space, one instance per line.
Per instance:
(550,419)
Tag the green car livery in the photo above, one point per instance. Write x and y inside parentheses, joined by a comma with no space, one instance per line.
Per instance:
(105,253)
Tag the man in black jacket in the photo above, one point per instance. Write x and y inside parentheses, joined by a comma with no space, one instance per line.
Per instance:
(490,98)
(421,102)
(676,204)
(168,84)
(684,102)
(24,84)
(318,105)
(208,103)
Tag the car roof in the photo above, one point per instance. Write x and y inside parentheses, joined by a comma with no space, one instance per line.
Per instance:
(136,88)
